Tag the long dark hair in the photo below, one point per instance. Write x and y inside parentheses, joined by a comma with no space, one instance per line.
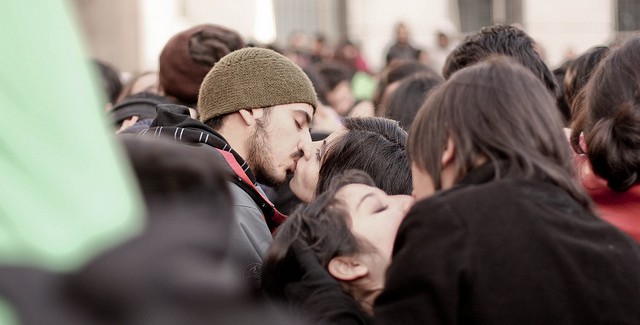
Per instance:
(499,110)
(610,118)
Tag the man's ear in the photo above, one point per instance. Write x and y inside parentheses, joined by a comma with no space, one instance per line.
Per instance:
(249,116)
(347,268)
(449,152)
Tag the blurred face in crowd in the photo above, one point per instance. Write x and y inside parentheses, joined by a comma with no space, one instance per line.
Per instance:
(341,98)
(278,140)
(305,179)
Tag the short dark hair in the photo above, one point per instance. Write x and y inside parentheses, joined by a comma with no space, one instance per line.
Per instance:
(407,99)
(396,71)
(502,40)
(333,73)
(610,118)
(374,145)
(499,110)
(110,80)
(322,225)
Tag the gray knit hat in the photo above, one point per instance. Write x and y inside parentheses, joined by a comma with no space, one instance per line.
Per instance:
(253,78)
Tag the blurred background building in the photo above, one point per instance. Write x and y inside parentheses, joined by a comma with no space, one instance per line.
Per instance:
(131,33)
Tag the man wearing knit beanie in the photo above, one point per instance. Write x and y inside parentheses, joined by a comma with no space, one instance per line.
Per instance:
(255,109)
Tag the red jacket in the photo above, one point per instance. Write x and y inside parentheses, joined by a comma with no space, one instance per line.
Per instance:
(622,209)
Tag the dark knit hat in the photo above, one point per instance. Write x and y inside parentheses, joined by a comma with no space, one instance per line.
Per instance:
(189,55)
(253,78)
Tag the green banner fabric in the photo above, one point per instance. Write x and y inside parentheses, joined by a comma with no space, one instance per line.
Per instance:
(66,192)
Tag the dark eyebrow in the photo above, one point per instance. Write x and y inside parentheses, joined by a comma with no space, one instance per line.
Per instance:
(306,115)
(370,194)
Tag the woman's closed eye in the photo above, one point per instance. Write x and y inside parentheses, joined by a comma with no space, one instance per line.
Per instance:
(381,208)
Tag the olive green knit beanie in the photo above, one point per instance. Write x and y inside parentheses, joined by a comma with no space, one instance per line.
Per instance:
(253,78)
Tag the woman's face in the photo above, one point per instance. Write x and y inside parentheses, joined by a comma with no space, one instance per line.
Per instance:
(375,217)
(305,178)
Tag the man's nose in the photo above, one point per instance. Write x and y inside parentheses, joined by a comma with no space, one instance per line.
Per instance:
(307,150)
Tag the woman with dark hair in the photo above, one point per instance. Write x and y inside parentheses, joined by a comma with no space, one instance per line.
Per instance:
(606,137)
(502,234)
(577,75)
(353,244)
(372,144)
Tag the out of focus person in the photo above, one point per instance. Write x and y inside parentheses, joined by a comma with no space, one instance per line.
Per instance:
(577,74)
(110,81)
(500,40)
(402,48)
(189,55)
(319,49)
(135,108)
(390,80)
(406,100)
(606,137)
(444,44)
(337,77)
(66,191)
(184,62)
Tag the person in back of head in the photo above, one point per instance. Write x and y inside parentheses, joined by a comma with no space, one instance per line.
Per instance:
(255,108)
(184,62)
(110,81)
(189,55)
(390,79)
(136,106)
(577,74)
(606,136)
(501,232)
(406,100)
(500,40)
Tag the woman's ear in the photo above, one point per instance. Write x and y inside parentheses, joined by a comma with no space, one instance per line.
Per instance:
(449,152)
(249,116)
(347,268)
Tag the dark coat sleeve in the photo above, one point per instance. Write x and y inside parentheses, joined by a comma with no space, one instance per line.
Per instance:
(428,269)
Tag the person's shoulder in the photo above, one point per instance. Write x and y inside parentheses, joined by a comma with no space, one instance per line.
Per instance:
(498,197)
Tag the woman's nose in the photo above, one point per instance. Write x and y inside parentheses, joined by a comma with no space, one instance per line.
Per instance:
(405,201)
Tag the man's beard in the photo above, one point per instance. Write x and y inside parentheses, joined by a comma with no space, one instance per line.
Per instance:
(260,159)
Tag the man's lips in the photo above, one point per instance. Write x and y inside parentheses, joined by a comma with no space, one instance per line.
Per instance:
(292,169)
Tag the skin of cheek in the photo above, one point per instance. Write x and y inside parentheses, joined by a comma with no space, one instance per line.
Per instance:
(422,183)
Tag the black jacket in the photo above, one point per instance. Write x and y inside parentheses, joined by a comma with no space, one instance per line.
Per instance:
(256,217)
(509,251)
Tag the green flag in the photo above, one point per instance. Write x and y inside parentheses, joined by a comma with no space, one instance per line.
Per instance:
(66,193)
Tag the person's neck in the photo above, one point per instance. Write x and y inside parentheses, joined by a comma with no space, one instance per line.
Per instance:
(366,298)
(236,135)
